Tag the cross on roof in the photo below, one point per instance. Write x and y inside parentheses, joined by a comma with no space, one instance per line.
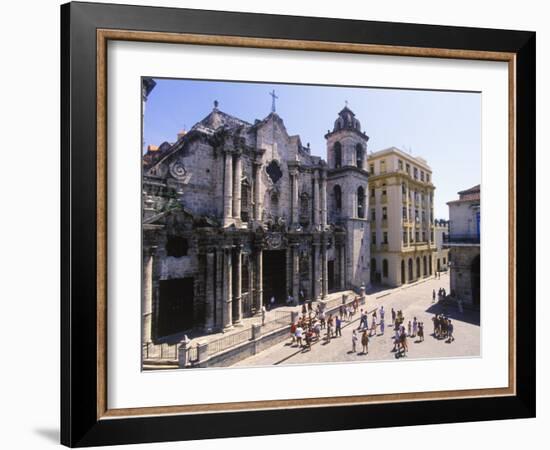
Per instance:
(273,97)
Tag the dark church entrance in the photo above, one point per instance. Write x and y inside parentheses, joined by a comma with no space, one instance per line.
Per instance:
(274,276)
(175,311)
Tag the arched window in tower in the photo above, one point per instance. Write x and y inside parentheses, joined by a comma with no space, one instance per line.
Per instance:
(338,198)
(361,202)
(337,155)
(359,155)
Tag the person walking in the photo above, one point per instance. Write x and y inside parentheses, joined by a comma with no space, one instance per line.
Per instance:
(433,296)
(382,313)
(409,328)
(354,341)
(421,331)
(373,324)
(264,312)
(415,327)
(392,315)
(299,334)
(365,342)
(382,326)
(450,330)
(338,327)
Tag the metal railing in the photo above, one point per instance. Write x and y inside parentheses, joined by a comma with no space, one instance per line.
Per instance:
(231,340)
(160,351)
(281,320)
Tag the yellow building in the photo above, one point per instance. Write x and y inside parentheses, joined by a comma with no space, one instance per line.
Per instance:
(401,198)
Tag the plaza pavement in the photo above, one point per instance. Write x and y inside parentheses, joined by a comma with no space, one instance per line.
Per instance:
(413,300)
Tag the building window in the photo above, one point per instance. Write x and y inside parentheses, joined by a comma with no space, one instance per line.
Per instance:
(383,166)
(245,274)
(422,175)
(245,201)
(360,202)
(337,155)
(405,237)
(423,216)
(338,197)
(427,177)
(384,213)
(372,192)
(359,155)
(423,236)
(432,236)
(416,236)
(403,189)
(408,169)
(373,238)
(385,237)
(415,171)
(371,169)
(416,219)
(384,192)
(404,213)
(373,214)
(176,246)
(385,268)
(400,164)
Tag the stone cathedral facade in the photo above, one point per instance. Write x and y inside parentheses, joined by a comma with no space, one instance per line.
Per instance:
(236,213)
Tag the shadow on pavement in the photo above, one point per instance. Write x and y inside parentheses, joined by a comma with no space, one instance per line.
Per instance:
(468,316)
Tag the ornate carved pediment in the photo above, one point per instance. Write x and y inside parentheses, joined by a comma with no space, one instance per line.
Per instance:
(275,241)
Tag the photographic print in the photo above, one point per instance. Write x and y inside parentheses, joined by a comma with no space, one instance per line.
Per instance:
(306,224)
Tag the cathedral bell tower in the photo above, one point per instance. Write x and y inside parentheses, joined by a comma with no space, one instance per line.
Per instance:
(347,191)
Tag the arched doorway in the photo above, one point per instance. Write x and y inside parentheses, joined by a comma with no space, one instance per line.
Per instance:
(403,271)
(417,267)
(385,268)
(410,270)
(474,273)
(373,270)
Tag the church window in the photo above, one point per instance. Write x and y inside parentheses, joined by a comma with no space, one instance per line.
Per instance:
(337,155)
(360,202)
(338,197)
(359,155)
(274,171)
(176,246)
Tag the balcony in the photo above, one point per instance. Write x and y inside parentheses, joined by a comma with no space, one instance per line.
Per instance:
(461,239)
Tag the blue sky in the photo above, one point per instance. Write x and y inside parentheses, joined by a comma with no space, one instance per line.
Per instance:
(442,127)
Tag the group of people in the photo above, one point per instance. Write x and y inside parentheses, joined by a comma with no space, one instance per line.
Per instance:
(443,327)
(307,329)
(441,295)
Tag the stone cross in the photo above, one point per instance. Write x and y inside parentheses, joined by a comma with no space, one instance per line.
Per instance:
(273,97)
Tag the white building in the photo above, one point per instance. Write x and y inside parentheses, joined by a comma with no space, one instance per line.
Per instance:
(401,197)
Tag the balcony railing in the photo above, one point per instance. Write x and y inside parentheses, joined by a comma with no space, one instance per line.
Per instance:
(460,239)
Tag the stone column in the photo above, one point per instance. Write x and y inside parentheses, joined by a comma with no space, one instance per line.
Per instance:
(228,189)
(237,187)
(342,267)
(227,291)
(295,218)
(218,304)
(296,272)
(257,191)
(316,200)
(210,292)
(316,271)
(148,260)
(237,274)
(323,199)
(324,275)
(259,280)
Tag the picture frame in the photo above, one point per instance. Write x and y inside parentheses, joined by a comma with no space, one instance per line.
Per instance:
(86,418)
